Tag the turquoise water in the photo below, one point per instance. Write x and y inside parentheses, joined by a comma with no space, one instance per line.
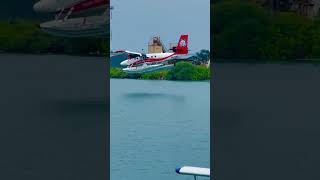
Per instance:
(157,126)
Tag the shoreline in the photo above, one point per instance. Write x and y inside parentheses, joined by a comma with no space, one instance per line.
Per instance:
(208,80)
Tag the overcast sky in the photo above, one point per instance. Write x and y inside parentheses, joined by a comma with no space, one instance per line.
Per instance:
(134,22)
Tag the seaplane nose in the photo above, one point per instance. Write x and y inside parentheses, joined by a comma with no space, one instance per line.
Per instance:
(178,170)
(123,63)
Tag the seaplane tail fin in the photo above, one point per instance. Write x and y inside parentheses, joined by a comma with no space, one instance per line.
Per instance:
(182,47)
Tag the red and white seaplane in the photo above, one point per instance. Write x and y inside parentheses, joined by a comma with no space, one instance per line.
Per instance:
(75,18)
(144,63)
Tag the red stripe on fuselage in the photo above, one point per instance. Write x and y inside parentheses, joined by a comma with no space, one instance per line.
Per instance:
(138,62)
(87,4)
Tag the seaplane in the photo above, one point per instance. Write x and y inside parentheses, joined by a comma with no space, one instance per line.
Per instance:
(145,63)
(75,18)
(193,171)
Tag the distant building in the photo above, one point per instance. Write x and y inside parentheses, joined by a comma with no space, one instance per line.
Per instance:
(156,46)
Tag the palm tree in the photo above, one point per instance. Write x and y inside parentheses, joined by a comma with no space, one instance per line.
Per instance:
(203,56)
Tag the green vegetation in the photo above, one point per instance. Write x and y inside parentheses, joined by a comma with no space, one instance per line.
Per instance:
(23,36)
(117,73)
(188,71)
(202,56)
(182,71)
(156,75)
(244,30)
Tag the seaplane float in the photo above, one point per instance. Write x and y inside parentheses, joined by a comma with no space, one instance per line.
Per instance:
(138,63)
(193,171)
(75,18)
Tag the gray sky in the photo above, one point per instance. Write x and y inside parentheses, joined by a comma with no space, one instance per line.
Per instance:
(134,22)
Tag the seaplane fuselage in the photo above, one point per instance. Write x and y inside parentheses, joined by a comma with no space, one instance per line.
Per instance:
(150,58)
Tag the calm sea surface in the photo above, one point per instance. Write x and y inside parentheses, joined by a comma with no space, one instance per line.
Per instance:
(157,126)
(266,121)
(53,117)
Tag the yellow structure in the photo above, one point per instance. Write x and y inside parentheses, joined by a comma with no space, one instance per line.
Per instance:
(155,45)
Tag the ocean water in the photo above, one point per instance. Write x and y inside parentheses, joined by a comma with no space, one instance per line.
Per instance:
(54,111)
(266,121)
(156,126)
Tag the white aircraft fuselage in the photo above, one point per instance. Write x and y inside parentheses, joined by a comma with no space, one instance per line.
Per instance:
(151,58)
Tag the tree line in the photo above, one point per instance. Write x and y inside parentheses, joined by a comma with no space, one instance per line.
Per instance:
(182,71)
(244,30)
(24,36)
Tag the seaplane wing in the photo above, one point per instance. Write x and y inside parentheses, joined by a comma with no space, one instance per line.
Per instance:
(131,53)
(193,171)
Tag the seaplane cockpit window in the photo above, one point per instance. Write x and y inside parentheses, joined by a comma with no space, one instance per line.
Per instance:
(133,56)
